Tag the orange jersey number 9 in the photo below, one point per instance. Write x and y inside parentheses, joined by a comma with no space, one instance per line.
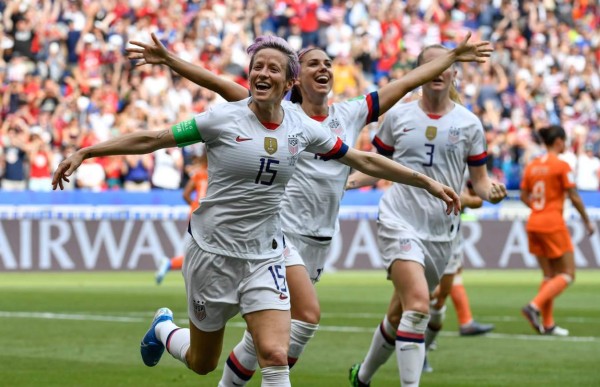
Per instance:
(538,195)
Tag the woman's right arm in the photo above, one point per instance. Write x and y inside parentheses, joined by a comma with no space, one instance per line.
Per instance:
(140,142)
(156,53)
(580,207)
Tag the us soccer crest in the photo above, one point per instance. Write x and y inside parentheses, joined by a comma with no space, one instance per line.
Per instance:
(199,310)
(405,245)
(335,127)
(431,132)
(453,135)
(293,145)
(270,145)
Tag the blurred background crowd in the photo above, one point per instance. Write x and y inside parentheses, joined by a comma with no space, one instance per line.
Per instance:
(66,83)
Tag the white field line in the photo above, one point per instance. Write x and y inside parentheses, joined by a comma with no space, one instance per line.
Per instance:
(378,316)
(578,320)
(326,328)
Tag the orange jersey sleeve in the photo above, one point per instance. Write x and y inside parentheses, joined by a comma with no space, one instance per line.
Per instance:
(200,180)
(546,179)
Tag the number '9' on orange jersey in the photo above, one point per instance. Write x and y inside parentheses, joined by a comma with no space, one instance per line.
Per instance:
(547,180)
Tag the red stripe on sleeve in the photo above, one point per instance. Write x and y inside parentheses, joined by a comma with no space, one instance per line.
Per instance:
(382,145)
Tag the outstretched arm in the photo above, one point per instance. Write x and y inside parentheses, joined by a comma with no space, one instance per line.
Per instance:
(380,166)
(465,52)
(358,180)
(130,144)
(156,53)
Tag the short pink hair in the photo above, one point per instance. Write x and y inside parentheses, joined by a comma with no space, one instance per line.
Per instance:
(277,43)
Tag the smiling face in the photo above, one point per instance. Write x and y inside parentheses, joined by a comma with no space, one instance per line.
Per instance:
(268,75)
(443,82)
(316,75)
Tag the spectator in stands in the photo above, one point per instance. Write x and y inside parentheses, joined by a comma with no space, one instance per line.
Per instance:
(137,172)
(545,68)
(13,156)
(40,159)
(168,167)
(588,170)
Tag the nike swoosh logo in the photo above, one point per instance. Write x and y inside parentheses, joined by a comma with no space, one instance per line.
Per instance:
(240,139)
(283,296)
(408,130)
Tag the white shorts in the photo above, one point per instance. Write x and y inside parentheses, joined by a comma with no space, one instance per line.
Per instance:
(456,258)
(218,287)
(401,244)
(308,252)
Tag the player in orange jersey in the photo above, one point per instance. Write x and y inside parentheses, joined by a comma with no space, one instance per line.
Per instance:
(195,186)
(546,182)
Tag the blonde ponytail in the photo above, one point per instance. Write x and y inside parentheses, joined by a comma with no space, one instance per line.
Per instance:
(454,96)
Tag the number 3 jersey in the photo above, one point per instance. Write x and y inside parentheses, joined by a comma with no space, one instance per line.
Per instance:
(547,178)
(312,197)
(249,165)
(437,146)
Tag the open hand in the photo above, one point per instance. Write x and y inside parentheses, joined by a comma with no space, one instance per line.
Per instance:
(147,53)
(472,52)
(446,194)
(65,169)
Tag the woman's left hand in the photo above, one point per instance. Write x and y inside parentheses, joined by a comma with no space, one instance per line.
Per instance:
(473,52)
(497,192)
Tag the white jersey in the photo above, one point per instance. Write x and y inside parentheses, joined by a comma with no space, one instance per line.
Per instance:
(439,147)
(248,168)
(312,197)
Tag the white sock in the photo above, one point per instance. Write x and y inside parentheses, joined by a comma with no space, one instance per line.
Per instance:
(410,347)
(176,340)
(301,332)
(276,376)
(241,363)
(434,326)
(382,347)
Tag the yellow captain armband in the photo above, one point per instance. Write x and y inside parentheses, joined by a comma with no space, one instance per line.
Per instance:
(186,133)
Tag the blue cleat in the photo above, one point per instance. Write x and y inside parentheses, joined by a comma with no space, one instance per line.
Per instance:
(151,348)
(163,269)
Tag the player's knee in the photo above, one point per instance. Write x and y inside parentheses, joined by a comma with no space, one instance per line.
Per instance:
(202,366)
(274,356)
(418,305)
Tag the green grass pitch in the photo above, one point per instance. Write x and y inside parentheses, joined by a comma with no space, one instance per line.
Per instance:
(82,329)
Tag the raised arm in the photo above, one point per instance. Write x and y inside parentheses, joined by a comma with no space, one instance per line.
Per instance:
(140,142)
(381,167)
(156,53)
(465,52)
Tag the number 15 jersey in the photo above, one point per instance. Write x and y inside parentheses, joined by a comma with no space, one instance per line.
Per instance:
(437,146)
(249,165)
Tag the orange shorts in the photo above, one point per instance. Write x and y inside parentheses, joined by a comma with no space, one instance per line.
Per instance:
(549,244)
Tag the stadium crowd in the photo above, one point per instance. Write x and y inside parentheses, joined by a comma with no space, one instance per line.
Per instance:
(65,81)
